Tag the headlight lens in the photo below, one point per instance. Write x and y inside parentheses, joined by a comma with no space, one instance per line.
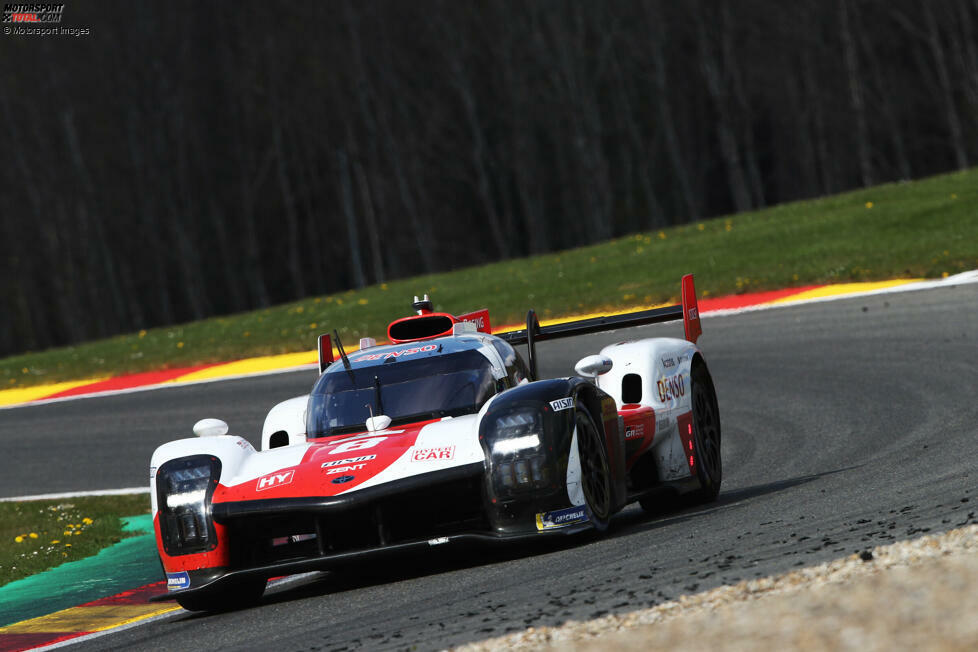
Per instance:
(184,489)
(518,459)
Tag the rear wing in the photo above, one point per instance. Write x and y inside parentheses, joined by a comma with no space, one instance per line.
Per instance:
(688,311)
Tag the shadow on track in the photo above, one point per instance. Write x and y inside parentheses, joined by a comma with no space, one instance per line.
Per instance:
(359,575)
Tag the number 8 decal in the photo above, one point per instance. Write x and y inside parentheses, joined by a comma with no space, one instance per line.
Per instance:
(357,445)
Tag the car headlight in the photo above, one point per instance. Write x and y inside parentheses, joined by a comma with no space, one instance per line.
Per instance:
(184,489)
(517,455)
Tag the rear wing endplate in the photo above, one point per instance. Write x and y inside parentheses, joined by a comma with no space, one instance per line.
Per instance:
(688,311)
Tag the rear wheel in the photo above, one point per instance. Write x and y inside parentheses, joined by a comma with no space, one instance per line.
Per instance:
(706,435)
(595,472)
(236,595)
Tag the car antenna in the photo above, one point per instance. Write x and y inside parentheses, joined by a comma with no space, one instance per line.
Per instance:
(346,360)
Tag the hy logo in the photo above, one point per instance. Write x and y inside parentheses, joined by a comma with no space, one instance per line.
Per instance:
(274,480)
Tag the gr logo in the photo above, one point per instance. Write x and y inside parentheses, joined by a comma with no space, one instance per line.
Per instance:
(274,480)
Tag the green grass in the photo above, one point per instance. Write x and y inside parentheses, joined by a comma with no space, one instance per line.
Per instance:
(923,228)
(38,535)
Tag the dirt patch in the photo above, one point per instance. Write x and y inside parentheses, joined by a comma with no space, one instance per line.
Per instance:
(918,594)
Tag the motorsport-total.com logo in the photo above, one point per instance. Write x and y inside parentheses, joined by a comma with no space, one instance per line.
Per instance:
(14,12)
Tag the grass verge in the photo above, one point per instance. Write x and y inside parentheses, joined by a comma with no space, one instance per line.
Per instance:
(42,534)
(925,228)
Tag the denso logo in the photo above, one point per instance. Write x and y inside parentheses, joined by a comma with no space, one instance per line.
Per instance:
(671,388)
(426,454)
(274,480)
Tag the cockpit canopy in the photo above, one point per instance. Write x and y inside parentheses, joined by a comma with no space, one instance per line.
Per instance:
(405,388)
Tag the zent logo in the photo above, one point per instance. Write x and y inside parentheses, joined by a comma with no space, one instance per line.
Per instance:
(274,480)
(562,404)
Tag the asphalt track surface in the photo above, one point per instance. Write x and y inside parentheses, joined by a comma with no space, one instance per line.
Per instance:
(846,425)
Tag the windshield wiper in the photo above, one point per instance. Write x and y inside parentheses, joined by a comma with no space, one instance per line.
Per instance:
(346,360)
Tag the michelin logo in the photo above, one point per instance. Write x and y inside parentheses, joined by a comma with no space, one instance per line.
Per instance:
(176,581)
(562,404)
(561,518)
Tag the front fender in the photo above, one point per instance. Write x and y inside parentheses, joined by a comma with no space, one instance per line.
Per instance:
(515,508)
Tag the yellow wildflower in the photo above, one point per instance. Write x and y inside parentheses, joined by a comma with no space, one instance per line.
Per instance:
(33,535)
(869,204)
(19,539)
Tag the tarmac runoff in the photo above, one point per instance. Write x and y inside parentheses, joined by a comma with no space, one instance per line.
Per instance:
(709,307)
(37,611)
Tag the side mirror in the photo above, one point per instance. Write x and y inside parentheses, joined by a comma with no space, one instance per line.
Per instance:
(378,422)
(593,366)
(210,428)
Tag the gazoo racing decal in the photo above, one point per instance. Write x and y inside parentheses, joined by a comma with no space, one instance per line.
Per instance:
(396,354)
(636,431)
(426,454)
(177,581)
(276,479)
(561,518)
(562,404)
(671,388)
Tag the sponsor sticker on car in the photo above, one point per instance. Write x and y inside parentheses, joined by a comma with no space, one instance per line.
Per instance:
(177,581)
(428,454)
(349,460)
(636,431)
(277,479)
(561,518)
(562,404)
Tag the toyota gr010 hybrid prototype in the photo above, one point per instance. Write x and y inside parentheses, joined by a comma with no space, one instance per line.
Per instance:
(444,435)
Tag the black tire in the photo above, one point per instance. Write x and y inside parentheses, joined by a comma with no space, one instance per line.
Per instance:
(595,471)
(706,435)
(236,595)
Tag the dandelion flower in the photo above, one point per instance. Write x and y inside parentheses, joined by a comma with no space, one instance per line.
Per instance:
(179,345)
(56,541)
(33,535)
(19,539)
(363,302)
(142,334)
(87,521)
(700,227)
(662,235)
(869,204)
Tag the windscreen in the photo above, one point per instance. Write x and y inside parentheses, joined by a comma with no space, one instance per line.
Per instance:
(405,390)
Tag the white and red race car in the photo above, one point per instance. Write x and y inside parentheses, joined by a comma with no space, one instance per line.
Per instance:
(445,435)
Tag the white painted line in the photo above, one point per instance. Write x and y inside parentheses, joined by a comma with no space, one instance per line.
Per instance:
(94,635)
(146,388)
(963,278)
(78,494)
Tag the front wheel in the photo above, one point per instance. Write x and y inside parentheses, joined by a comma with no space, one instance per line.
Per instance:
(595,471)
(235,595)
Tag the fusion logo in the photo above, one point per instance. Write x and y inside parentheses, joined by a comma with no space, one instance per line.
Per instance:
(274,480)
